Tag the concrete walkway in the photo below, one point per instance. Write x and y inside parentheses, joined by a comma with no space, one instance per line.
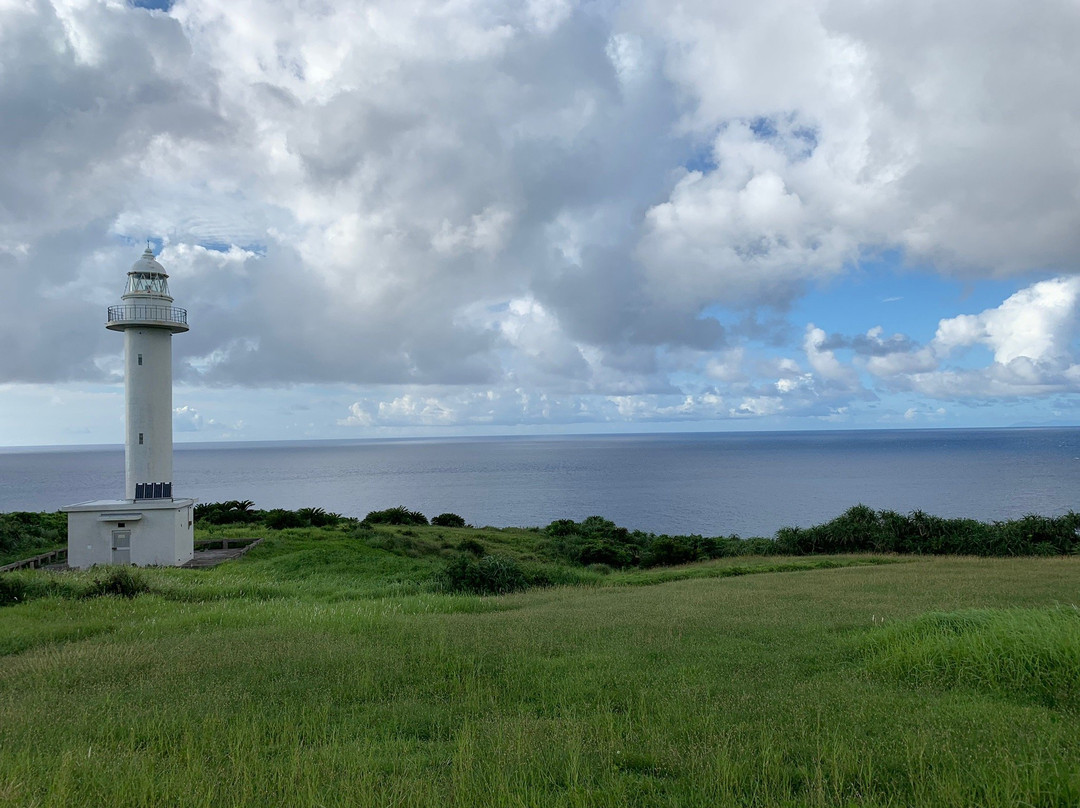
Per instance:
(211,558)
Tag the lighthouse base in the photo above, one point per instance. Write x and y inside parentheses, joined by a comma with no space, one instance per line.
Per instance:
(146,533)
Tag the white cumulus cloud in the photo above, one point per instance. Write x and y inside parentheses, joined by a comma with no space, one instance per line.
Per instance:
(613,207)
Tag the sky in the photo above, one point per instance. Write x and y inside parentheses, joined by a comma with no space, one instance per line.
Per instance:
(468,217)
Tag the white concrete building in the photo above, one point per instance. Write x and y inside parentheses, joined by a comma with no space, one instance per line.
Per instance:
(147,527)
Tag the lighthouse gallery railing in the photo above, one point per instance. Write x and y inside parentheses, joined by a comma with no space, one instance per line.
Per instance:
(147,313)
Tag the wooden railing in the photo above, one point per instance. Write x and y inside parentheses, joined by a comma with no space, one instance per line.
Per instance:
(225,544)
(51,557)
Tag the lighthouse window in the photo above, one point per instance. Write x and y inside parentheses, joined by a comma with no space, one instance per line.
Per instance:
(140,438)
(140,359)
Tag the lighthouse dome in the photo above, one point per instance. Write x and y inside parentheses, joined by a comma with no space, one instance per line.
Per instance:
(147,277)
(147,263)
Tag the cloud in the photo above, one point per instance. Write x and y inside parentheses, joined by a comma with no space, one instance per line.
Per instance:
(917,414)
(592,203)
(750,231)
(186,419)
(728,367)
(940,130)
(1031,337)
(871,343)
(503,407)
(1037,323)
(826,366)
(982,123)
(898,363)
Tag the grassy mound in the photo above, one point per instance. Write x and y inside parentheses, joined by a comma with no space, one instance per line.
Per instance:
(1026,654)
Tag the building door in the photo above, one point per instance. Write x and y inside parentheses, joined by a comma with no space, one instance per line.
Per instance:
(121,547)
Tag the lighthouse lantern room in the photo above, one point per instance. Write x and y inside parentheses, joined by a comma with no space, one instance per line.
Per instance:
(149,526)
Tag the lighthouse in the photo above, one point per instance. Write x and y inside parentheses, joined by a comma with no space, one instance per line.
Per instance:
(148,320)
(148,526)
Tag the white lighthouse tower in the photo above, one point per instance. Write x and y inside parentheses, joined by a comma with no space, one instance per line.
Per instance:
(148,526)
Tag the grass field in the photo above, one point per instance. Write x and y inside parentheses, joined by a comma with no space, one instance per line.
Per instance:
(324,671)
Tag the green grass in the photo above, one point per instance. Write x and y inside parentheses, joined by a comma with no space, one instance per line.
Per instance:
(1025,654)
(321,670)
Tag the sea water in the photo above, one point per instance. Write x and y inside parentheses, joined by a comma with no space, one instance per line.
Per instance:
(713,484)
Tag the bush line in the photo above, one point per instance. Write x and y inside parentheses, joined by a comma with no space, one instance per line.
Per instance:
(596,540)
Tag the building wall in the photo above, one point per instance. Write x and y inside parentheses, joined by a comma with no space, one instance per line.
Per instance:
(160,536)
(88,540)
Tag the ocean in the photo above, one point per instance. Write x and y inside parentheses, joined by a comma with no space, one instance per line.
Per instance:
(711,483)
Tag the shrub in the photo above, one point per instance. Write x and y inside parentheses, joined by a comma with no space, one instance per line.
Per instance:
(562,527)
(733,545)
(788,540)
(317,517)
(1028,535)
(669,550)
(471,546)
(489,575)
(363,531)
(860,529)
(12,589)
(595,541)
(125,582)
(554,575)
(280,519)
(25,532)
(857,528)
(396,516)
(234,511)
(597,550)
(448,520)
